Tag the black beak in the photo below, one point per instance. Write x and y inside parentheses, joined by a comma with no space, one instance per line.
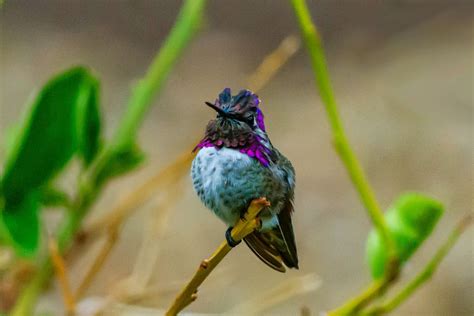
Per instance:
(217,109)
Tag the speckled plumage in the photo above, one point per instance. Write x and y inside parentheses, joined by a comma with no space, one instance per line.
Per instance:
(228,174)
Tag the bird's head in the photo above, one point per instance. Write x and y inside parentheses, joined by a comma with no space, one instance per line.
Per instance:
(239,125)
(240,111)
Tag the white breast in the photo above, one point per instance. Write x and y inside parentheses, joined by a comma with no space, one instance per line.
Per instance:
(210,173)
(212,163)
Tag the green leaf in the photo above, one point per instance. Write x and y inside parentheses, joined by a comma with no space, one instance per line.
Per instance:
(410,220)
(89,124)
(8,140)
(20,225)
(51,196)
(123,161)
(48,137)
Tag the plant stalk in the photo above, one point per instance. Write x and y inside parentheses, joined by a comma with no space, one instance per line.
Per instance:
(188,22)
(189,18)
(425,274)
(313,43)
(341,143)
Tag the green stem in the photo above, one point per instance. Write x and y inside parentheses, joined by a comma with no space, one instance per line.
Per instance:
(359,301)
(24,304)
(66,232)
(425,274)
(341,143)
(188,20)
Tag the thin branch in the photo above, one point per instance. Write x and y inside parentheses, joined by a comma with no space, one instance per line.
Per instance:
(125,207)
(149,294)
(99,261)
(61,274)
(168,177)
(351,306)
(136,284)
(273,62)
(91,307)
(426,273)
(244,226)
(278,294)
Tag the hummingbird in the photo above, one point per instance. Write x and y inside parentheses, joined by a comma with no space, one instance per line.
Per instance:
(237,163)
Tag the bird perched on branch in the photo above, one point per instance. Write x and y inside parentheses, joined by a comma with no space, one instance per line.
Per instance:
(237,163)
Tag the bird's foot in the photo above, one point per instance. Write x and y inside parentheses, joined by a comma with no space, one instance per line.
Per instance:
(231,241)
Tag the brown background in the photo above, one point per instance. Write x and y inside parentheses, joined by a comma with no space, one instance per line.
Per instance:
(402,71)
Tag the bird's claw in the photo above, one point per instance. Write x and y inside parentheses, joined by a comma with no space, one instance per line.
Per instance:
(231,241)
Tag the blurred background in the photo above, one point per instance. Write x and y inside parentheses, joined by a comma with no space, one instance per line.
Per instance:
(403,76)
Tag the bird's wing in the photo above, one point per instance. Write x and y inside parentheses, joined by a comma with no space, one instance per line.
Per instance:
(276,246)
(264,251)
(288,252)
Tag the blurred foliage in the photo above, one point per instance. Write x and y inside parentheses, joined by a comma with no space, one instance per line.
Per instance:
(50,134)
(125,160)
(410,220)
(399,232)
(51,196)
(62,120)
(20,226)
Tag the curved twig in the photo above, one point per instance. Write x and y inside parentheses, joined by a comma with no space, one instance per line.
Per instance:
(244,226)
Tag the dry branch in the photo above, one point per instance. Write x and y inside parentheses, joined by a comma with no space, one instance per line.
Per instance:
(99,261)
(244,226)
(277,295)
(273,62)
(135,285)
(61,274)
(113,221)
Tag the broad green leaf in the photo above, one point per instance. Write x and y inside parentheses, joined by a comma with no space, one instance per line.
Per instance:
(3,232)
(121,162)
(410,220)
(20,225)
(9,137)
(48,137)
(89,124)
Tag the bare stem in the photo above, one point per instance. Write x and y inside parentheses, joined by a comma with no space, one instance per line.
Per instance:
(273,62)
(62,275)
(99,261)
(131,201)
(243,227)
(276,295)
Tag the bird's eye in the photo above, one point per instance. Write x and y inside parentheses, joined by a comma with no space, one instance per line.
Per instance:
(248,119)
